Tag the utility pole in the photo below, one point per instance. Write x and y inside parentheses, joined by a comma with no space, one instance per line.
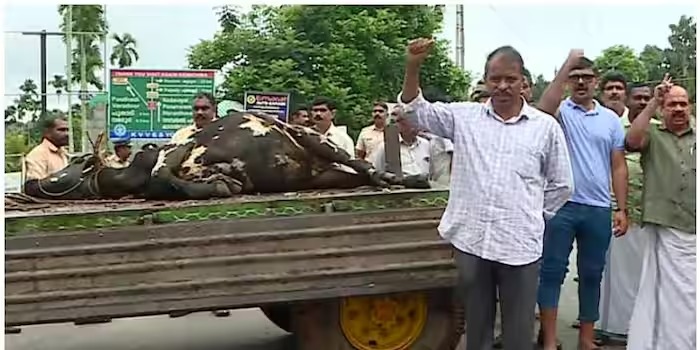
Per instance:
(69,76)
(459,54)
(42,62)
(83,95)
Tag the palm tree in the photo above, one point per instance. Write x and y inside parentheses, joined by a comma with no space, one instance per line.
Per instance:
(59,84)
(124,51)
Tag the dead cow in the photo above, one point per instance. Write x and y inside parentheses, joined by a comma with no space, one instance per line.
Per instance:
(256,153)
(244,153)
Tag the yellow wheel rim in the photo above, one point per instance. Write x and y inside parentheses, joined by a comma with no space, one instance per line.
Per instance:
(385,322)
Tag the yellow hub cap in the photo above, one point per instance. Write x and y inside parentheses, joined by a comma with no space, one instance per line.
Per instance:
(385,322)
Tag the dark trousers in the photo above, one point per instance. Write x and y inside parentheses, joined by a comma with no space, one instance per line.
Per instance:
(591,227)
(479,281)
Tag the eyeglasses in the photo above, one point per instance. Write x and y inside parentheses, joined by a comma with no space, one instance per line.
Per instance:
(586,78)
(319,110)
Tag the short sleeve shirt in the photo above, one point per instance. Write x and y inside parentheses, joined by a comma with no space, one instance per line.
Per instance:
(592,137)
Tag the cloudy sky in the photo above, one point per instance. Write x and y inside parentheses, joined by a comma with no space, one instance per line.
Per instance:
(543,33)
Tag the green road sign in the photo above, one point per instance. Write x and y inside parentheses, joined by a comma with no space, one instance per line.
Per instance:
(153,104)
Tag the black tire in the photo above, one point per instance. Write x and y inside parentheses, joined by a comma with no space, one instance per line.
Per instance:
(280,315)
(317,325)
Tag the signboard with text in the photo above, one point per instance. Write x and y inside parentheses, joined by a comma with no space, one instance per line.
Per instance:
(153,104)
(275,103)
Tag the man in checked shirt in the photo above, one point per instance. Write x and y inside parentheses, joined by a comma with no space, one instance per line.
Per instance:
(511,173)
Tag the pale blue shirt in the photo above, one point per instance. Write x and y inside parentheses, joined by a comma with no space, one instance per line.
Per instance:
(592,136)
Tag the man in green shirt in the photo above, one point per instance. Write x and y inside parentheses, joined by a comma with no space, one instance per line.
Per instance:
(664,311)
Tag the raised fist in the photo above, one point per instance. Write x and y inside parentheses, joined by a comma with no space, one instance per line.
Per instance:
(418,49)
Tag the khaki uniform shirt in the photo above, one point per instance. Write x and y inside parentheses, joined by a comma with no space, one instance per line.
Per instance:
(369,140)
(113,161)
(44,160)
(668,163)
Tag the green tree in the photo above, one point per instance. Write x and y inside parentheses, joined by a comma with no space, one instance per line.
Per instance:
(681,56)
(538,87)
(27,105)
(623,59)
(352,54)
(59,85)
(90,24)
(654,60)
(124,52)
(11,116)
(16,144)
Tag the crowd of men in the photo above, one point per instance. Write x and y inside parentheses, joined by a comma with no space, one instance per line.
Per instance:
(526,182)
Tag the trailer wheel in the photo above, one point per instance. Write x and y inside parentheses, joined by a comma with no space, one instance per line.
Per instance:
(280,315)
(430,320)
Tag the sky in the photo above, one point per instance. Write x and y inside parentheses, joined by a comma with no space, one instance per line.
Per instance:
(543,34)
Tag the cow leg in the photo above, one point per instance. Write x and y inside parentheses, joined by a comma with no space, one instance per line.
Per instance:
(322,148)
(337,179)
(191,190)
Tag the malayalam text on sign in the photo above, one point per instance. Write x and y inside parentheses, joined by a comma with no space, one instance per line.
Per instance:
(274,103)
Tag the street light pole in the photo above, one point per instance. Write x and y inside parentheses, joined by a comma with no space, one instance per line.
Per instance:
(42,62)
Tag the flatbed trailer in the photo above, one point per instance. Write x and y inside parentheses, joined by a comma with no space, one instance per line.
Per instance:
(361,269)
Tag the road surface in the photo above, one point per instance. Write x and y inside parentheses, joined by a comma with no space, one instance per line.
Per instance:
(245,329)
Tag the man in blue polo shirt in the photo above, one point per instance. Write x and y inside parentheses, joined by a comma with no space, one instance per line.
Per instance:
(595,138)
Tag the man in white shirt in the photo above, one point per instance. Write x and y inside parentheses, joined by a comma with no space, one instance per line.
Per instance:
(323,112)
(511,173)
(414,150)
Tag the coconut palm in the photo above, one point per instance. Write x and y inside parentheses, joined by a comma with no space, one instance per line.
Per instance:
(124,52)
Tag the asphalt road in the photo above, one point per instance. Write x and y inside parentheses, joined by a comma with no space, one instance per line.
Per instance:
(246,329)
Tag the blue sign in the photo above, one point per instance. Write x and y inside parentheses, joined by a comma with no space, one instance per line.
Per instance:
(274,103)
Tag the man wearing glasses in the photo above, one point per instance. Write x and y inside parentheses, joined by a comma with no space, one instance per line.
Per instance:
(595,140)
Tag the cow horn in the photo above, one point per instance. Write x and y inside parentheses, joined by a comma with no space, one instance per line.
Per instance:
(98,149)
(90,140)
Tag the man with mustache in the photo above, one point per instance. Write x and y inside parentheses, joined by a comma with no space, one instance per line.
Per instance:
(50,155)
(203,113)
(371,137)
(664,311)
(511,173)
(595,139)
(614,93)
(624,267)
(323,113)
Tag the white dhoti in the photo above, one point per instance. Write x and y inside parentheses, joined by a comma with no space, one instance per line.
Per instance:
(664,312)
(618,289)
